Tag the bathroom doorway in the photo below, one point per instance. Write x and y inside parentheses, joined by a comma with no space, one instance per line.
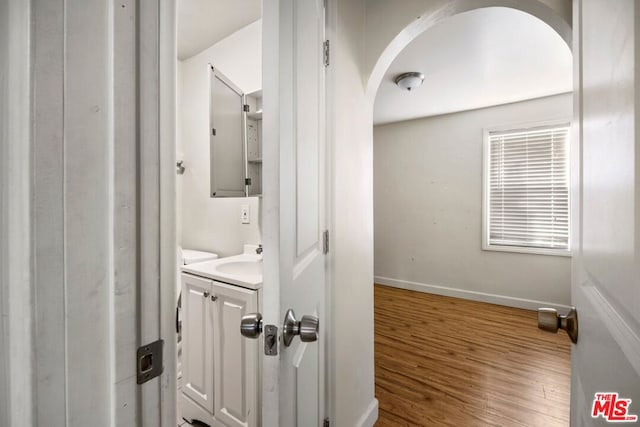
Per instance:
(472,223)
(218,206)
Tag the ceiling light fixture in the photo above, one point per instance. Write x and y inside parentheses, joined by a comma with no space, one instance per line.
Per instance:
(409,81)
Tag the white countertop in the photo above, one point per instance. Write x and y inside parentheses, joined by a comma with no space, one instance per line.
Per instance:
(243,270)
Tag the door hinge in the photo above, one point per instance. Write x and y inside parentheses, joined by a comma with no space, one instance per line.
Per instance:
(326,423)
(149,361)
(325,50)
(325,242)
(245,108)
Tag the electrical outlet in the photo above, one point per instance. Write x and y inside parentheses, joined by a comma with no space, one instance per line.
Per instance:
(245,216)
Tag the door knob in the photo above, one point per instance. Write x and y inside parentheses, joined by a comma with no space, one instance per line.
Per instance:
(251,325)
(549,320)
(307,328)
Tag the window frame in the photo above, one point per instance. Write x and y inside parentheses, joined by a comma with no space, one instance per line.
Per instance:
(486,153)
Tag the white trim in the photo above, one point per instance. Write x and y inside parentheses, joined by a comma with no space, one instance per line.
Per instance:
(370,416)
(270,217)
(527,304)
(618,327)
(17,404)
(523,249)
(168,295)
(485,188)
(529,124)
(331,23)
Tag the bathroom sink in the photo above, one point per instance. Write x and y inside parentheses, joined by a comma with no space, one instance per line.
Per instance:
(243,270)
(241,267)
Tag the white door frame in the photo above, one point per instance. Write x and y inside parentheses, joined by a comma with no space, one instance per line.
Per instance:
(167,115)
(57,316)
(16,269)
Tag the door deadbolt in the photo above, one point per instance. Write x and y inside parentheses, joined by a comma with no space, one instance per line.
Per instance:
(549,320)
(307,328)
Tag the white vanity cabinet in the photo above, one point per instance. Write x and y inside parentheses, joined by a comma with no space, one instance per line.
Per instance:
(220,367)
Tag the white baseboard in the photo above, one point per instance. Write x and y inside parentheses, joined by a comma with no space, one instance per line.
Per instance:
(470,295)
(369,418)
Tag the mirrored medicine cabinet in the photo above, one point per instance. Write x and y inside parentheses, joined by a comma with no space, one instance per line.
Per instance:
(235,121)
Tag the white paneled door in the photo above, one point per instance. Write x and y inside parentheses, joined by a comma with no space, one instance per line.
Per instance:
(606,263)
(294,205)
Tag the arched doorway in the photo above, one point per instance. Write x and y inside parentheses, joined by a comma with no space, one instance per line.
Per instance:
(428,21)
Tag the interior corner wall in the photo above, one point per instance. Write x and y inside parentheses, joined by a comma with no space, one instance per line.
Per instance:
(350,124)
(179,153)
(213,224)
(5,385)
(428,208)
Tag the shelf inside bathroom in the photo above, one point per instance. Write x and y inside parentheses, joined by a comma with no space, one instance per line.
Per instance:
(254,143)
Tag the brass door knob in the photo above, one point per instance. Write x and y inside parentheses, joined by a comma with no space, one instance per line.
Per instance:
(549,320)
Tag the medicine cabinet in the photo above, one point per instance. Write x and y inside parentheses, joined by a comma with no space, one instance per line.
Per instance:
(235,139)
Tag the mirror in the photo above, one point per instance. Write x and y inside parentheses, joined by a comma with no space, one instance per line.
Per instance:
(227,138)
(235,139)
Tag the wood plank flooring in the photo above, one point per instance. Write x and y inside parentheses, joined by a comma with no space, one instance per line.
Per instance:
(452,362)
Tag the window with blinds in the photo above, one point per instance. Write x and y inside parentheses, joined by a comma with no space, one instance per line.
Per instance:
(527,189)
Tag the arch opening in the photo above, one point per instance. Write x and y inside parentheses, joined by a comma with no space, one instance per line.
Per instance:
(431,18)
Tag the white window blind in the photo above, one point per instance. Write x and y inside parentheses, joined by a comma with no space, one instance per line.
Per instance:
(528,188)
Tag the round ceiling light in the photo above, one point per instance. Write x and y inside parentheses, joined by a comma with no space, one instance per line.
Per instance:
(410,81)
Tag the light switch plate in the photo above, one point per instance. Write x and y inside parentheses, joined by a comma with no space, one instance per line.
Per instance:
(245,216)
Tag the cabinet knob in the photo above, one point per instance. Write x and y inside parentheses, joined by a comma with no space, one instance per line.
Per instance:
(206,295)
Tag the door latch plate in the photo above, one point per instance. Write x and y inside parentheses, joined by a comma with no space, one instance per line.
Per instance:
(149,361)
(271,340)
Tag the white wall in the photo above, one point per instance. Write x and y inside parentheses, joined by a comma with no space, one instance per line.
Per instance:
(213,224)
(350,120)
(428,208)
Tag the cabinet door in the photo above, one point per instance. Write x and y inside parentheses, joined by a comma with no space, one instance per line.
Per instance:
(197,341)
(236,358)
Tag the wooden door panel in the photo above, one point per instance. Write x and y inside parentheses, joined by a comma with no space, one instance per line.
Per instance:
(605,286)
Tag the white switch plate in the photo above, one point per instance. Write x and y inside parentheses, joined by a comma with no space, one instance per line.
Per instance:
(245,216)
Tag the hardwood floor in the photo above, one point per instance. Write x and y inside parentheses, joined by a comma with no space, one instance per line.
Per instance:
(452,362)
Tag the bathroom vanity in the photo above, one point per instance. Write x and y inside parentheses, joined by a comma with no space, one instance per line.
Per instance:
(220,368)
